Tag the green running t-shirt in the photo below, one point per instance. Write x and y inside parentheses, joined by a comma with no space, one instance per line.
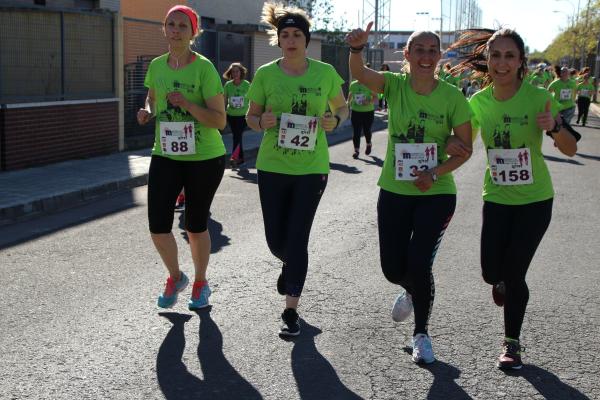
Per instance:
(197,82)
(306,95)
(564,93)
(585,90)
(511,124)
(413,118)
(234,94)
(362,93)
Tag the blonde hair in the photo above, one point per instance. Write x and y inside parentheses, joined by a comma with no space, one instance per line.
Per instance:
(273,12)
(243,71)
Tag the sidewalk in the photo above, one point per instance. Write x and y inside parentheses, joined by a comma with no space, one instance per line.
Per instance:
(37,191)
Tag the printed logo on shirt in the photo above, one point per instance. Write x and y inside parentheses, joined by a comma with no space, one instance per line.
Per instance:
(501,134)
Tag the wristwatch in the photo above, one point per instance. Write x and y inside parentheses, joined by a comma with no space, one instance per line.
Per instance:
(433,175)
(556,128)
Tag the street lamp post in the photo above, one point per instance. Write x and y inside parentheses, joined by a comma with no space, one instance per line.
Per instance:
(571,25)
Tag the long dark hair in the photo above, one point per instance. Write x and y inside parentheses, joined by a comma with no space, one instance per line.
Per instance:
(475,45)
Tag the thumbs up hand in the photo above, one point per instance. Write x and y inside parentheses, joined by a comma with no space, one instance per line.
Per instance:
(268,119)
(328,122)
(545,120)
(357,37)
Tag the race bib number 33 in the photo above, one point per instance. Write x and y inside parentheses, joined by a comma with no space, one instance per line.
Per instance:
(298,132)
(510,166)
(413,157)
(177,138)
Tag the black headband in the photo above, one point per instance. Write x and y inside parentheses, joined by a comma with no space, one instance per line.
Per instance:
(293,22)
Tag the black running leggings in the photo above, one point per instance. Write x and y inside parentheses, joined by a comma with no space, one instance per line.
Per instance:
(583,107)
(410,232)
(289,204)
(361,123)
(237,125)
(510,236)
(200,179)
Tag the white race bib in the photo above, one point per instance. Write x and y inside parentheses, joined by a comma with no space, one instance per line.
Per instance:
(585,93)
(360,99)
(565,94)
(298,132)
(177,138)
(510,166)
(236,101)
(413,157)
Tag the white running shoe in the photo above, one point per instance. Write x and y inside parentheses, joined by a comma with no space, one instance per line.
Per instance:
(422,350)
(402,307)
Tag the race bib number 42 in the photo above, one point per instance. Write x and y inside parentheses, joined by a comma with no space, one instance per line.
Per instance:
(413,157)
(298,132)
(510,166)
(177,138)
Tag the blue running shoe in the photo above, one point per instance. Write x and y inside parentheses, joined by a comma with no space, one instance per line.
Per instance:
(169,297)
(200,295)
(422,350)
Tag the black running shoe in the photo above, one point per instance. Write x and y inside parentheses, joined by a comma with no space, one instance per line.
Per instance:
(511,356)
(355,154)
(291,326)
(281,284)
(368,149)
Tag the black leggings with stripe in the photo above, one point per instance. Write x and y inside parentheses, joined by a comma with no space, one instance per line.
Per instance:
(510,235)
(410,231)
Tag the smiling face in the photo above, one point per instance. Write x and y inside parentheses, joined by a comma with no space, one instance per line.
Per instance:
(423,55)
(292,42)
(178,29)
(504,60)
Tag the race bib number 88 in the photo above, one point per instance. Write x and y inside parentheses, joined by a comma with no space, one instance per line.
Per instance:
(177,138)
(510,167)
(413,157)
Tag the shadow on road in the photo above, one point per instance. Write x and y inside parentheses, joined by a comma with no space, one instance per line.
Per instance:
(588,156)
(547,384)
(315,376)
(244,174)
(221,380)
(373,161)
(347,169)
(444,386)
(217,239)
(563,160)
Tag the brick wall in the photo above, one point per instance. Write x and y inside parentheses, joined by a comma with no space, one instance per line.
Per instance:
(47,134)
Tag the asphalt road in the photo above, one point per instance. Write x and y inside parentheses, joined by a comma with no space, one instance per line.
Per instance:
(79,320)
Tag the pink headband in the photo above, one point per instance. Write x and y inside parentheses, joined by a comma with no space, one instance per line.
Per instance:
(190,13)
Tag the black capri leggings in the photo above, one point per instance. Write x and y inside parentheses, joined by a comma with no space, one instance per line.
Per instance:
(289,204)
(510,236)
(199,179)
(361,123)
(410,231)
(237,125)
(583,107)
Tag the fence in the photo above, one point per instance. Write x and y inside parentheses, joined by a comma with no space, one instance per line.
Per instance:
(48,55)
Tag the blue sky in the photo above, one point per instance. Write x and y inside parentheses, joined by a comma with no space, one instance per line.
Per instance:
(534,20)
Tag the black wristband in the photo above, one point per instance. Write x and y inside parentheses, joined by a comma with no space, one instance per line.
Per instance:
(259,125)
(338,121)
(356,50)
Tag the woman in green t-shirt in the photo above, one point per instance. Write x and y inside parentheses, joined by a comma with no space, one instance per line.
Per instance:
(186,97)
(289,98)
(418,194)
(517,191)
(585,90)
(236,101)
(563,89)
(362,103)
